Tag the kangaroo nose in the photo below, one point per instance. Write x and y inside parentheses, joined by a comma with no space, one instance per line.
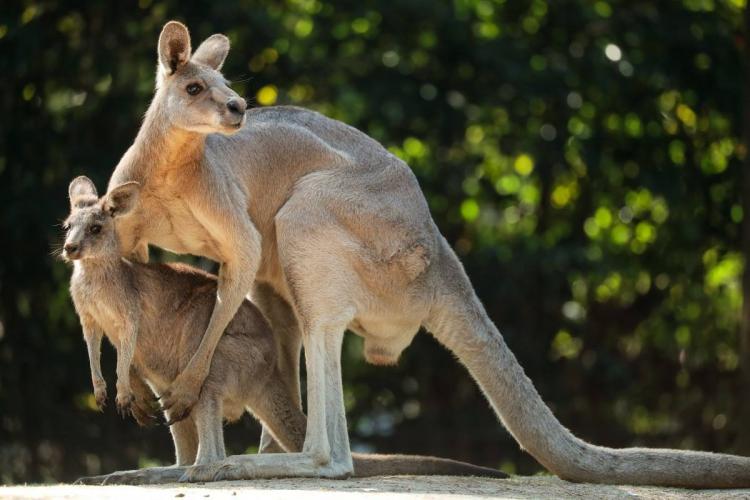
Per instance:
(70,248)
(237,106)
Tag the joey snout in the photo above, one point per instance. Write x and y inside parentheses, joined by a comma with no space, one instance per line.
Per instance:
(72,250)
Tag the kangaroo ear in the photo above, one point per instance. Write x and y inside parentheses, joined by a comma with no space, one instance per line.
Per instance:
(212,51)
(122,199)
(81,192)
(174,47)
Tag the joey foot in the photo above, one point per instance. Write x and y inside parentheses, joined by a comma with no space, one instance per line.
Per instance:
(100,395)
(145,411)
(124,401)
(180,399)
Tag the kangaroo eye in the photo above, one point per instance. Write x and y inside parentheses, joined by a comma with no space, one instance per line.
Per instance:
(194,89)
(95,229)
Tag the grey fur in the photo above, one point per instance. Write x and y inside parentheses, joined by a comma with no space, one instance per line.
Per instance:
(338,229)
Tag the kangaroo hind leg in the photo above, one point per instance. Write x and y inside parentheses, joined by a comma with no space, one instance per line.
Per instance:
(322,288)
(288,338)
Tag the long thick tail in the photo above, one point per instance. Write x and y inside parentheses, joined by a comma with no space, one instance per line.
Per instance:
(458,320)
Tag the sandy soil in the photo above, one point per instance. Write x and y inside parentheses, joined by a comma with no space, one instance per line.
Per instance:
(398,487)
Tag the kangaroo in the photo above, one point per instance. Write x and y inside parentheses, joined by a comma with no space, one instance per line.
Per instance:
(329,231)
(155,316)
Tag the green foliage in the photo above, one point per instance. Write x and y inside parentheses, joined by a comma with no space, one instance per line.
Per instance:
(583,158)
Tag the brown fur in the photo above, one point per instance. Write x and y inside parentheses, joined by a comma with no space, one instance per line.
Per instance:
(171,305)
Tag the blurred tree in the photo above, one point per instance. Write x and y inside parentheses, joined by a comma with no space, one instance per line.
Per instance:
(584,158)
(744,435)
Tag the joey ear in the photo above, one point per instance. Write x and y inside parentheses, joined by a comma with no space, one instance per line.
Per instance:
(174,47)
(81,192)
(122,199)
(212,51)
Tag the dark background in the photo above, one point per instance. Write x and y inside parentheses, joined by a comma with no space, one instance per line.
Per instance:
(585,158)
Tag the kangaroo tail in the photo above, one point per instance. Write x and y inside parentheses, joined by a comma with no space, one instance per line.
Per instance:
(366,465)
(458,321)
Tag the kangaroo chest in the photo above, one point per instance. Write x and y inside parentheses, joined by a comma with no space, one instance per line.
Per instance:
(111,319)
(172,224)
(106,309)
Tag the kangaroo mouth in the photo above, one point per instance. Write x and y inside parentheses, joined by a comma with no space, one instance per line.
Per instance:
(234,124)
(71,256)
(240,122)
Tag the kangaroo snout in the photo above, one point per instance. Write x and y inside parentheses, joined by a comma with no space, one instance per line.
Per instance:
(72,250)
(237,105)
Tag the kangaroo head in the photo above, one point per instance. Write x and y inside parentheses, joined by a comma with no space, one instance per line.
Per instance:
(195,95)
(89,229)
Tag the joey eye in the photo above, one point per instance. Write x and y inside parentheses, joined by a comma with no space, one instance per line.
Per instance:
(194,88)
(95,229)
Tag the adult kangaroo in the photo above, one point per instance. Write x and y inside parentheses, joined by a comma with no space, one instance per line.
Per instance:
(331,232)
